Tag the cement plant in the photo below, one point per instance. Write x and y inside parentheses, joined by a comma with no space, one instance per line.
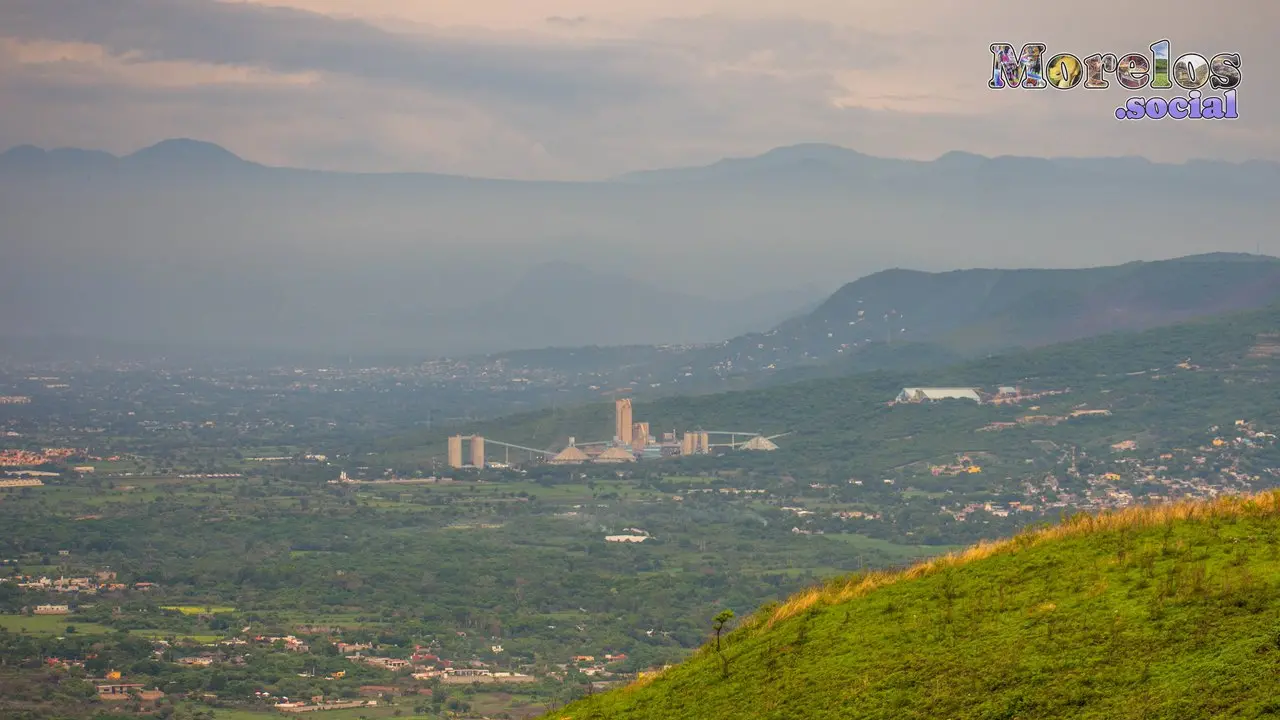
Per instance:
(632,441)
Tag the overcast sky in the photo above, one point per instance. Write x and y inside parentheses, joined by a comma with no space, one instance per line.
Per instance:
(591,88)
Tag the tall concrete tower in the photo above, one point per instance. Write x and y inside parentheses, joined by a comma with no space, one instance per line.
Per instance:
(455,451)
(640,436)
(477,451)
(622,422)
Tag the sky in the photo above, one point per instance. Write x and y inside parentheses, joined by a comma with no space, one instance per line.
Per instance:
(584,89)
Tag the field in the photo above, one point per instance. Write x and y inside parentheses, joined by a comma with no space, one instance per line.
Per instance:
(169,634)
(199,609)
(901,552)
(49,625)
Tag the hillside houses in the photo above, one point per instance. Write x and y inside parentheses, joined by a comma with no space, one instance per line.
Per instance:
(101,582)
(1125,476)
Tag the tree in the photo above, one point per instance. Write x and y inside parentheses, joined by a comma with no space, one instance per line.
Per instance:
(722,618)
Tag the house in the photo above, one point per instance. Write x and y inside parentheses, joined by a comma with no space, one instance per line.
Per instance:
(118,691)
(377,691)
(392,664)
(52,610)
(128,691)
(933,394)
(200,660)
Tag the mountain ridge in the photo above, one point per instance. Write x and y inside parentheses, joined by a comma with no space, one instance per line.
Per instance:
(979,310)
(176,150)
(191,243)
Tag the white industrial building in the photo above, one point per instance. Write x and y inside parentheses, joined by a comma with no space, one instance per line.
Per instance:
(922,394)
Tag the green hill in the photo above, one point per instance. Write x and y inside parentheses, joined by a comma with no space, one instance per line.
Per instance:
(843,426)
(975,311)
(1160,612)
(908,320)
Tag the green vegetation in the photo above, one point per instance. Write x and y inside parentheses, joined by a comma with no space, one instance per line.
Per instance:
(1168,612)
(49,625)
(911,320)
(846,422)
(199,609)
(232,588)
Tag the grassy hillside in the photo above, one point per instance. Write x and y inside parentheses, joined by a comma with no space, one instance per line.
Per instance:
(1163,612)
(843,425)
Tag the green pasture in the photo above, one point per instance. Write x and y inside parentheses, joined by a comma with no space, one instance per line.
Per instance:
(50,625)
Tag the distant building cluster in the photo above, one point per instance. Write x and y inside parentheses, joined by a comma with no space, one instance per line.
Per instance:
(103,581)
(24,458)
(631,441)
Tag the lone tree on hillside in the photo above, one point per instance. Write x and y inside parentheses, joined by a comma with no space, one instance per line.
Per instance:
(721,619)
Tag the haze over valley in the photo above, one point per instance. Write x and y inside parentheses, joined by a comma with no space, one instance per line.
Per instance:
(524,359)
(194,246)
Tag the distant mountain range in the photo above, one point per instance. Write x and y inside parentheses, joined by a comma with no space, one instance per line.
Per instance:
(179,155)
(970,312)
(186,243)
(907,320)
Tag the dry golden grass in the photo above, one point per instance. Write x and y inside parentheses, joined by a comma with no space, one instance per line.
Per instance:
(1266,503)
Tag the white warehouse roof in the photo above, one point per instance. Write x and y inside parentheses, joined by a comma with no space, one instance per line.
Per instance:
(939,393)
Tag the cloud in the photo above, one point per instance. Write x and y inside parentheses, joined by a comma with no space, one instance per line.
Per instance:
(295,41)
(567,21)
(572,89)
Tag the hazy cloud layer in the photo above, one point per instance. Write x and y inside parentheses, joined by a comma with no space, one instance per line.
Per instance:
(573,88)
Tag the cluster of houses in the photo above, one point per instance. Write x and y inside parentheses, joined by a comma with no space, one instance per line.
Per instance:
(963,465)
(1000,510)
(424,665)
(1126,477)
(855,515)
(103,581)
(28,458)
(1050,420)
